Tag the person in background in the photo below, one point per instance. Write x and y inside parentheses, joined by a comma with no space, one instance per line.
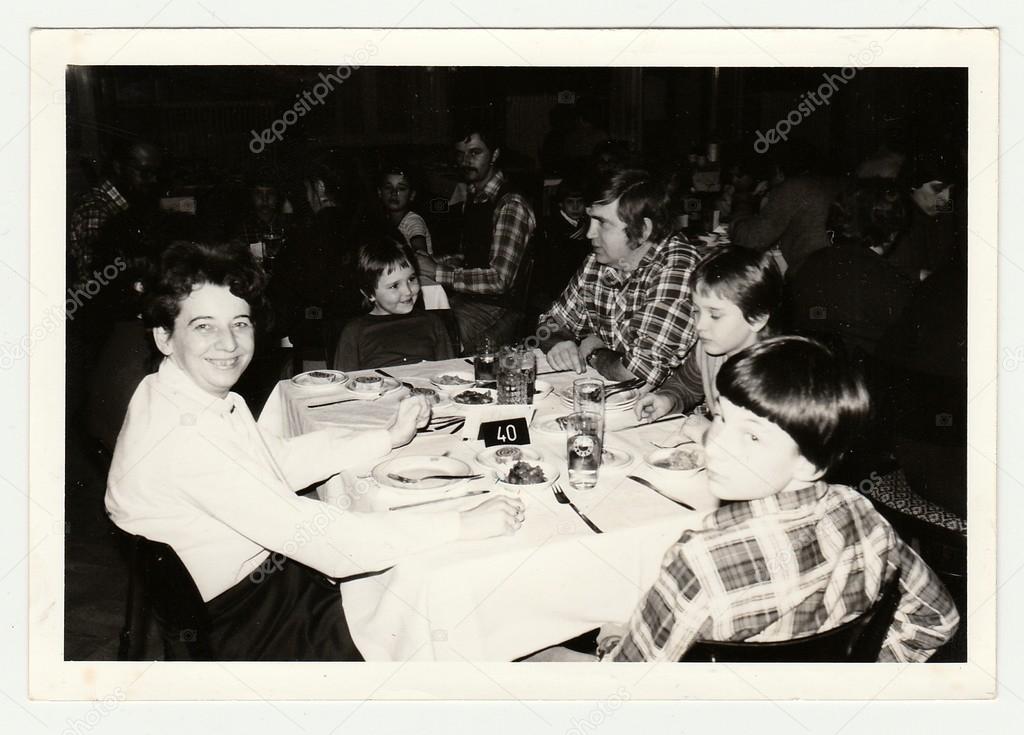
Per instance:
(736,293)
(132,184)
(794,213)
(627,313)
(193,470)
(397,193)
(851,290)
(497,225)
(395,332)
(564,246)
(789,555)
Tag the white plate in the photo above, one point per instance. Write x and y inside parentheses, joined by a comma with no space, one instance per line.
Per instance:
(550,475)
(659,457)
(541,388)
(491,393)
(618,402)
(319,379)
(415,467)
(444,398)
(466,380)
(615,458)
(387,385)
(488,459)
(547,422)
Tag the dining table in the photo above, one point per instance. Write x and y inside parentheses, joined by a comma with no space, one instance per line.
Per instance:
(502,598)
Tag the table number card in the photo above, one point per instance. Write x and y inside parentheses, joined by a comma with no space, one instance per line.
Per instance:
(505,431)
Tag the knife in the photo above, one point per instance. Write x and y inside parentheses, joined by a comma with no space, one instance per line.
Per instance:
(645,483)
(439,500)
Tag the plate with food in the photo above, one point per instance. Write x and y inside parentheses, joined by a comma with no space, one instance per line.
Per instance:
(435,396)
(686,460)
(526,474)
(622,401)
(453,379)
(474,397)
(419,474)
(500,457)
(371,386)
(319,379)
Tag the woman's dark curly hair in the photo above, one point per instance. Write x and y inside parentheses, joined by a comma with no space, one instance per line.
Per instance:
(187,265)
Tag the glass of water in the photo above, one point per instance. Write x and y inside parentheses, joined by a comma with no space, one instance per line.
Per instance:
(583,448)
(517,375)
(485,359)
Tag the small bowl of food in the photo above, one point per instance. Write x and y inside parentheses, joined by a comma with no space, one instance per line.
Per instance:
(319,379)
(367,384)
(526,474)
(684,461)
(503,456)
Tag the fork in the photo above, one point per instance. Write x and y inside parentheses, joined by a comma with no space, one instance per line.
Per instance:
(679,443)
(562,498)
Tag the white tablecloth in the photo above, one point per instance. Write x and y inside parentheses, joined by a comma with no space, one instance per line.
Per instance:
(502,598)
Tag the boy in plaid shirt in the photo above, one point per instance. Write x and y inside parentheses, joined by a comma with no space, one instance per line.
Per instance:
(790,555)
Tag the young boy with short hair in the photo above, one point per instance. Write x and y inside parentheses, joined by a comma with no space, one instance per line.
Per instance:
(790,555)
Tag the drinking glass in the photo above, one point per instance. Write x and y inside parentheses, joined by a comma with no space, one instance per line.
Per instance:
(588,395)
(484,360)
(583,448)
(517,375)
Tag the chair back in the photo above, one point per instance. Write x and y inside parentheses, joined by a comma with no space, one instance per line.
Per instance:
(180,612)
(857,641)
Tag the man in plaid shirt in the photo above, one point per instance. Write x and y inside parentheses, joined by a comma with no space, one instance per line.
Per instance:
(628,311)
(790,556)
(497,226)
(134,175)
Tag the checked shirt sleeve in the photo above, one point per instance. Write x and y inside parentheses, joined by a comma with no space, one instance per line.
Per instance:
(513,224)
(926,617)
(664,329)
(673,614)
(569,311)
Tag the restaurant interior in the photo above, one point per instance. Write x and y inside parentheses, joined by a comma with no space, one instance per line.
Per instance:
(221,131)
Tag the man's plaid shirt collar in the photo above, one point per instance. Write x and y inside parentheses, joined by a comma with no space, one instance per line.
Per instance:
(108,189)
(489,190)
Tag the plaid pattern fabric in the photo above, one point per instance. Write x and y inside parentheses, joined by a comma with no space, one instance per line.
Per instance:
(646,315)
(97,207)
(787,566)
(514,223)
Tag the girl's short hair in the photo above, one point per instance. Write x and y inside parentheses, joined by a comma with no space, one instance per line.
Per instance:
(805,389)
(748,278)
(378,256)
(186,265)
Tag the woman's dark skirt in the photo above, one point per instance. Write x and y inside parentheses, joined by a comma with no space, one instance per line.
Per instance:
(283,611)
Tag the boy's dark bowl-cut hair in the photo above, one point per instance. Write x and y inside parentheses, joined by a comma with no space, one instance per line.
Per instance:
(378,256)
(640,195)
(803,388)
(748,278)
(187,265)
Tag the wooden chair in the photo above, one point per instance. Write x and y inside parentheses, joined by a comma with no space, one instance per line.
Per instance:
(160,584)
(857,641)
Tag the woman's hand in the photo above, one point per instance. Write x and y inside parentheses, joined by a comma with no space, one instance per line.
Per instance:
(498,516)
(413,413)
(694,427)
(653,406)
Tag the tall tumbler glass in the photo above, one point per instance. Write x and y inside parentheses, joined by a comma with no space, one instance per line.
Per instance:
(583,448)
(588,397)
(517,375)
(485,359)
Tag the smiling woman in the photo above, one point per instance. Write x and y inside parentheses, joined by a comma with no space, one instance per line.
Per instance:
(192,470)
